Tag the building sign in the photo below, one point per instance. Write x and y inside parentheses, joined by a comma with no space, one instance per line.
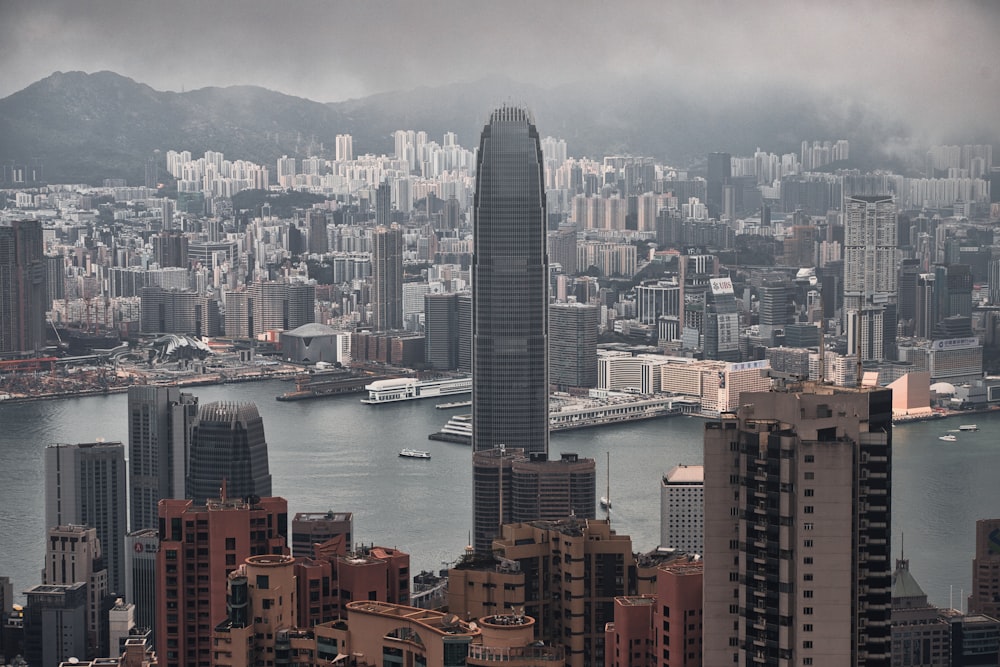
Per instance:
(955,344)
(748,365)
(721,285)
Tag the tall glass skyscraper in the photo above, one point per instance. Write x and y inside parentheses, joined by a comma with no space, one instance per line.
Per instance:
(510,288)
(228,444)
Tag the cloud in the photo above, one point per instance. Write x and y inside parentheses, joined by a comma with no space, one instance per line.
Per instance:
(934,63)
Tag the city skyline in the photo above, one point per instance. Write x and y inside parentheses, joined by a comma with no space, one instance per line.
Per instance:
(716,55)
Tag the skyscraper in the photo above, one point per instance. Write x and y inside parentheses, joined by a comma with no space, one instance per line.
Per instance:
(985,597)
(573,344)
(797,528)
(228,446)
(870,287)
(720,170)
(510,288)
(85,486)
(73,554)
(387,278)
(23,272)
(160,420)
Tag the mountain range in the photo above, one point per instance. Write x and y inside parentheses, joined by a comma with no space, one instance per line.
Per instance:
(86,127)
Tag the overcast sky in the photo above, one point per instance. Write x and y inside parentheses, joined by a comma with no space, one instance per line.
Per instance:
(934,62)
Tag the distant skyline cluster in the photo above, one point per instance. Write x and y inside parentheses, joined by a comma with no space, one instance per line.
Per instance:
(930,64)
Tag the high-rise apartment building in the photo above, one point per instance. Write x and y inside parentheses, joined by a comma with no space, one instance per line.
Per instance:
(345,148)
(228,448)
(85,486)
(200,546)
(573,344)
(870,277)
(316,223)
(682,509)
(985,596)
(510,288)
(387,278)
(23,273)
(797,529)
(160,422)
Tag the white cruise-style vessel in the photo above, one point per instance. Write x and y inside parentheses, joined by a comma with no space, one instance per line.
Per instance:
(408,389)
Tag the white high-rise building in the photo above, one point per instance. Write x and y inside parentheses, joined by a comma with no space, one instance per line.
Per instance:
(870,288)
(682,509)
(345,148)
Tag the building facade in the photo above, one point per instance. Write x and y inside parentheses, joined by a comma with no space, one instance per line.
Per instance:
(682,509)
(510,288)
(23,278)
(387,277)
(160,422)
(797,528)
(85,486)
(228,447)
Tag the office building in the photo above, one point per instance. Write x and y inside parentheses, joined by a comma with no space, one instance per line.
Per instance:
(441,330)
(55,623)
(920,635)
(797,529)
(170,249)
(23,272)
(387,278)
(510,288)
(682,509)
(73,554)
(210,540)
(985,595)
(510,486)
(870,276)
(316,224)
(228,447)
(85,486)
(312,528)
(276,306)
(141,547)
(722,322)
(573,344)
(160,422)
(465,332)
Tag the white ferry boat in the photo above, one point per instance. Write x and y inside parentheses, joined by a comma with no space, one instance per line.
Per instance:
(414,453)
(408,389)
(968,427)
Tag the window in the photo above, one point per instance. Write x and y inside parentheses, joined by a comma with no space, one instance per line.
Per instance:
(807,611)
(807,661)
(807,644)
(807,526)
(808,509)
(807,576)
(807,594)
(808,627)
(809,493)
(262,581)
(807,543)
(808,560)
(810,475)
(810,458)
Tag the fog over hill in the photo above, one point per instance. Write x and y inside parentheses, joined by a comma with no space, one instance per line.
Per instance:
(86,127)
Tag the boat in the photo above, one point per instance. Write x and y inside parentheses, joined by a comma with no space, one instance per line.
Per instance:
(414,453)
(968,427)
(455,404)
(948,438)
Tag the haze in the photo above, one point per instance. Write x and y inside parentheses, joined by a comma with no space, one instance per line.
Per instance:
(934,65)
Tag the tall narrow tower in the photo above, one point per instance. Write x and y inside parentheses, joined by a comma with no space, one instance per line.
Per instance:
(510,288)
(870,278)
(23,275)
(387,277)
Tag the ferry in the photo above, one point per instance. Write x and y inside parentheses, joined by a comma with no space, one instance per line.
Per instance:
(414,454)
(968,427)
(453,405)
(408,389)
(947,438)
